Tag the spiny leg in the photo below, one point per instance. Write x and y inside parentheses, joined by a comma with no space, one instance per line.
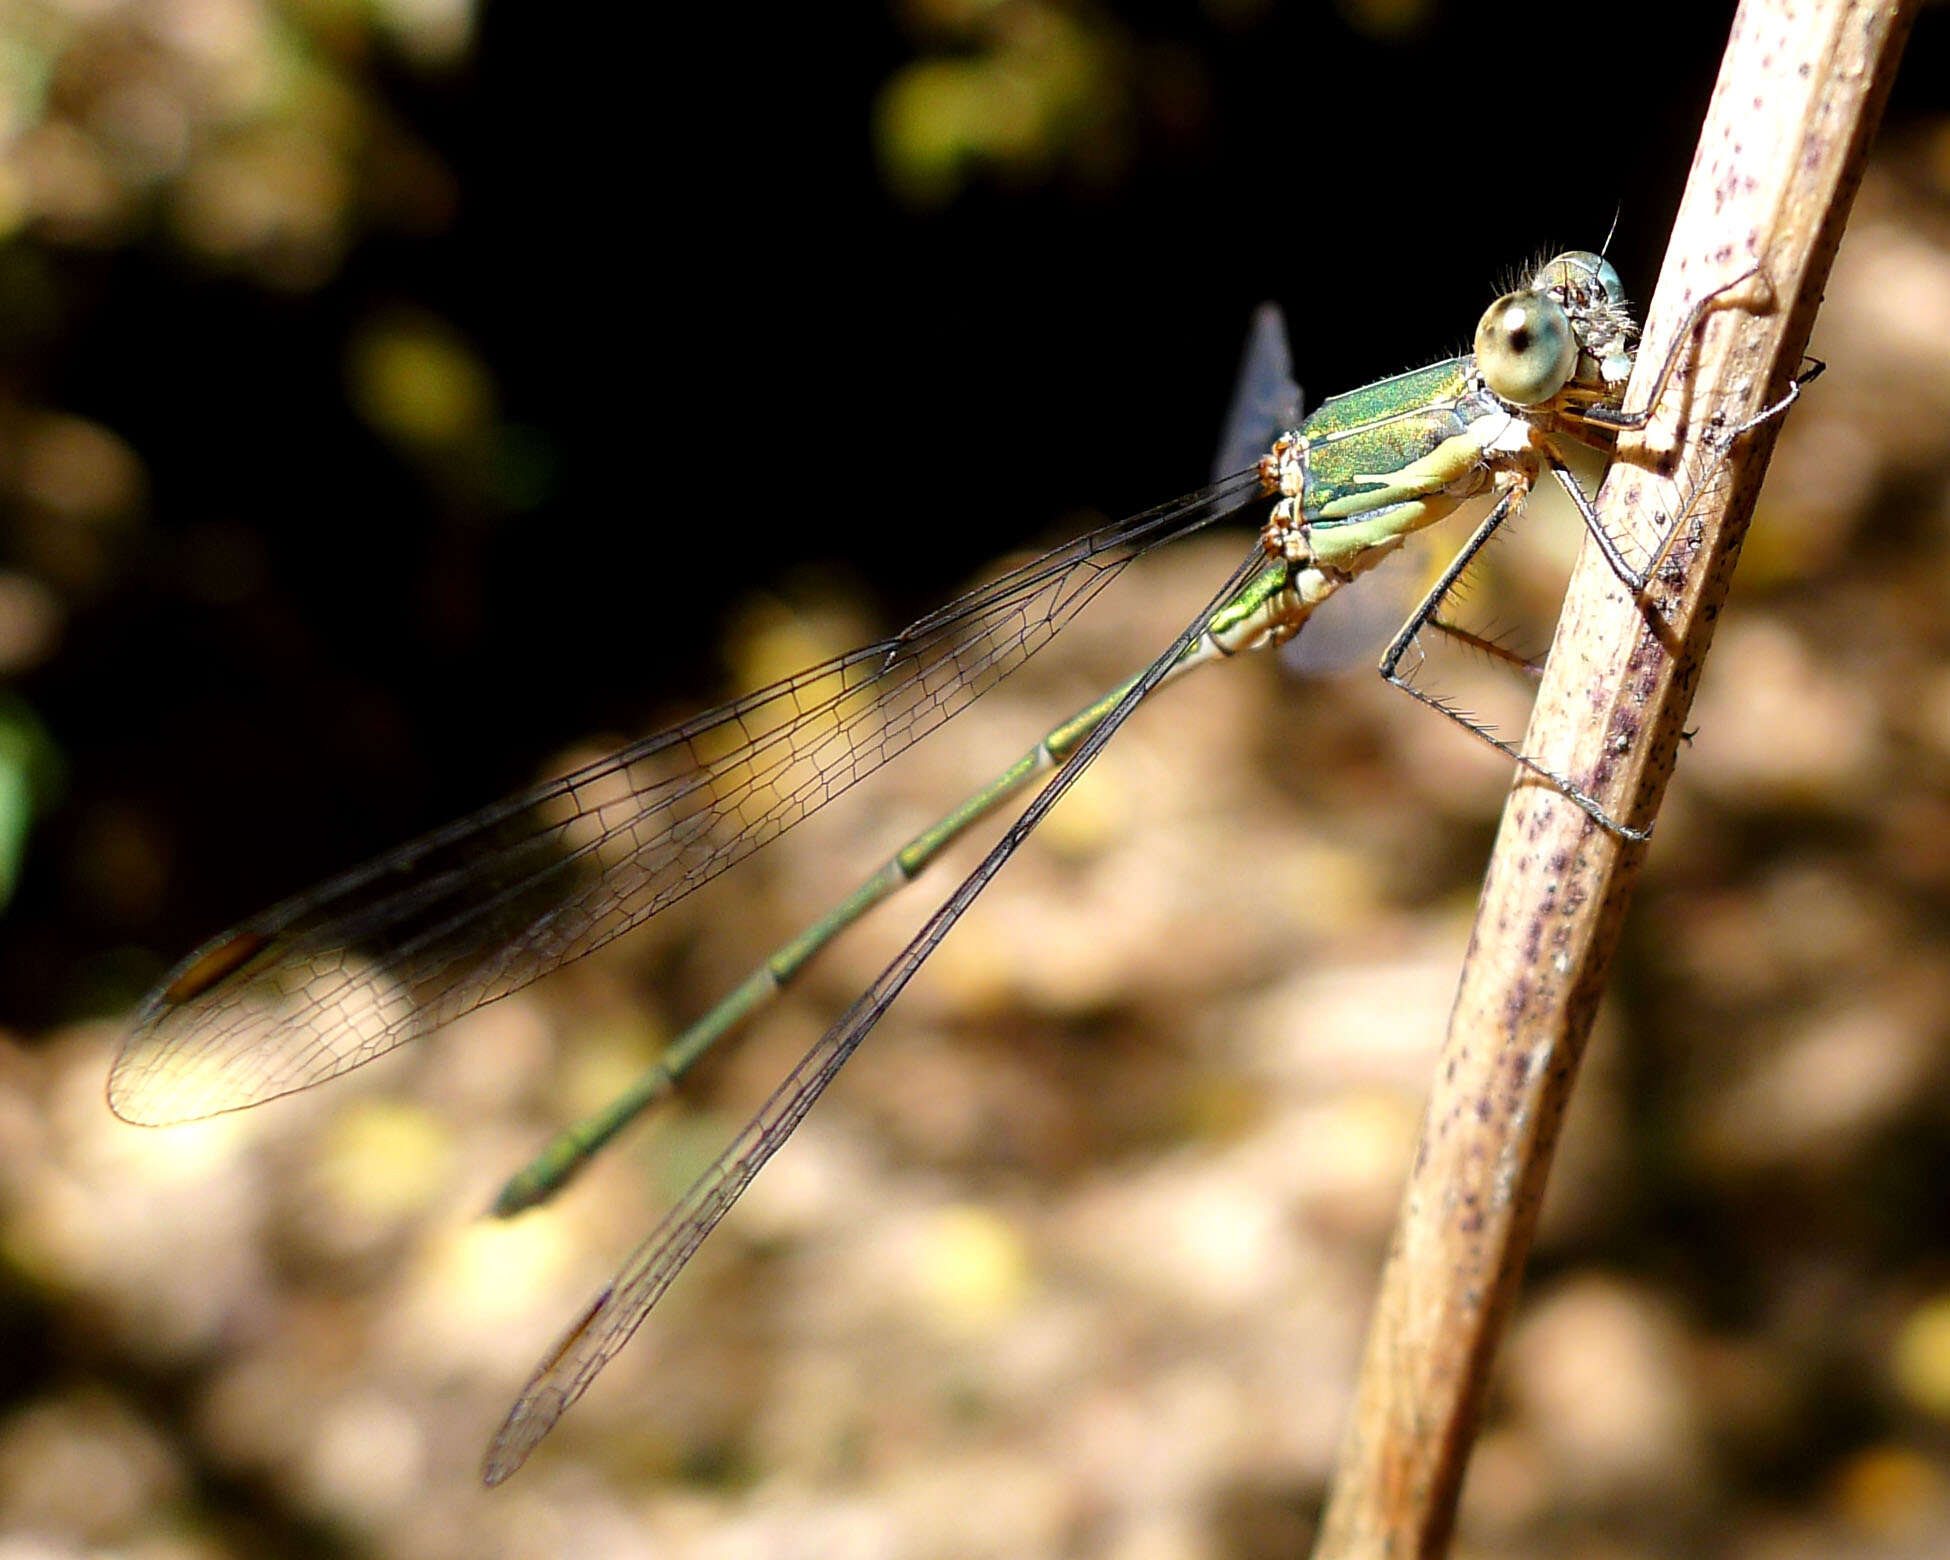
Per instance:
(1633,579)
(1484,644)
(1615,418)
(1424,616)
(1469,639)
(1719,441)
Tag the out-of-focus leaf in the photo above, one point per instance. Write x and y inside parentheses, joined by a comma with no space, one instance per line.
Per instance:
(29,773)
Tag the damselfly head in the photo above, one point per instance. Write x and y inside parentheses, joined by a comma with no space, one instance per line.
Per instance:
(1587,287)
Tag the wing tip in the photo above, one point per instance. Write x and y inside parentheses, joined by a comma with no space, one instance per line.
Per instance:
(520,1433)
(140,1090)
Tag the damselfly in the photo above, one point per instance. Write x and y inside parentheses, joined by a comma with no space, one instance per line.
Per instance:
(389,951)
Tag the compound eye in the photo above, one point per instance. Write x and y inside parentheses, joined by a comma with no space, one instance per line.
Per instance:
(1579,274)
(1525,348)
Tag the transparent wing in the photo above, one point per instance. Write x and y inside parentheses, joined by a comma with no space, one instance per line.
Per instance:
(1265,401)
(619,1310)
(344,973)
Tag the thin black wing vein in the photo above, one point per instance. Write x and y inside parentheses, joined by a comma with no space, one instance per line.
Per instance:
(332,978)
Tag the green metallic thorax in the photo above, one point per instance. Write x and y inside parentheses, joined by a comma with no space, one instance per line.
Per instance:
(1357,441)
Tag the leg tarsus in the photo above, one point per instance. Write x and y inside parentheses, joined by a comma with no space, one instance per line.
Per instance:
(1811,369)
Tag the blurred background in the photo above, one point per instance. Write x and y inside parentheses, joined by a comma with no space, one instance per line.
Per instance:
(399,401)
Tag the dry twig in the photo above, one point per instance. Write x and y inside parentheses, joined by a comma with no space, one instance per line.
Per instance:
(1800,92)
